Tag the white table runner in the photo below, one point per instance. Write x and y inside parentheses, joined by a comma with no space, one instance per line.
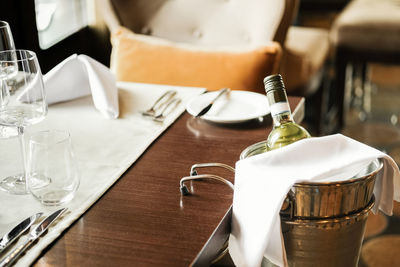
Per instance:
(104,150)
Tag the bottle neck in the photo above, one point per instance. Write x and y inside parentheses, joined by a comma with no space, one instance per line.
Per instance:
(282,117)
(279,107)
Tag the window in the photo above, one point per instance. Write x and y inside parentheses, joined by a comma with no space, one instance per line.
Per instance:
(57,19)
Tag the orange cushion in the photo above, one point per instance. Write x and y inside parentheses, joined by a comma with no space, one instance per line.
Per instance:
(148,59)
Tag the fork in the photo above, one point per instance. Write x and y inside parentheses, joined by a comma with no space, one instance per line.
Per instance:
(159,103)
(168,108)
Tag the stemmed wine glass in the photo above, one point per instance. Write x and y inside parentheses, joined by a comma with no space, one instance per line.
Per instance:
(22,103)
(6,43)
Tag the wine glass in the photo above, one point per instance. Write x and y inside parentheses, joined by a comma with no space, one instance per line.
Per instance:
(6,43)
(6,39)
(22,103)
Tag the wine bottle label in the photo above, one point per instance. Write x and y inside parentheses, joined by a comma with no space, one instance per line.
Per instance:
(280,107)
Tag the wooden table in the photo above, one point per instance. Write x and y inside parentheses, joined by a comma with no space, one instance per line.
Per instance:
(143,220)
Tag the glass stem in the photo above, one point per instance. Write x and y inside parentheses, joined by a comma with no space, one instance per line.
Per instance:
(23,152)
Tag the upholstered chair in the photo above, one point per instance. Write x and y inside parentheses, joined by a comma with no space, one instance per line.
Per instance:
(205,43)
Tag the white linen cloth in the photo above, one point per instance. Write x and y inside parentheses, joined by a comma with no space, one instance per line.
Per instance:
(104,149)
(262,182)
(81,75)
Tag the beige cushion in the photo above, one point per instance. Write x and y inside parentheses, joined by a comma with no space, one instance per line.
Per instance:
(305,52)
(369,25)
(141,58)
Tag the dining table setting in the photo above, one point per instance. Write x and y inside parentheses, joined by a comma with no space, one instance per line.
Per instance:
(100,172)
(91,167)
(75,138)
(145,138)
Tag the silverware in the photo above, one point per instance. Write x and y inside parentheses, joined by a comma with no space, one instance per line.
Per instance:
(168,108)
(208,107)
(18,230)
(34,234)
(159,103)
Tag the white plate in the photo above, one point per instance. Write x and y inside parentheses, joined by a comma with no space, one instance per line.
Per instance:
(238,106)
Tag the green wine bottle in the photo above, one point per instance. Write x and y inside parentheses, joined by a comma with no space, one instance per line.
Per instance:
(285,131)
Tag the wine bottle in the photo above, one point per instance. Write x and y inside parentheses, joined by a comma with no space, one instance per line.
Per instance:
(285,131)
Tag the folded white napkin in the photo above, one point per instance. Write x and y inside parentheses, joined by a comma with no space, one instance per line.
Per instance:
(80,75)
(262,182)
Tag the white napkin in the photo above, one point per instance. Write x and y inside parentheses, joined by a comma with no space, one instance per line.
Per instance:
(80,75)
(262,182)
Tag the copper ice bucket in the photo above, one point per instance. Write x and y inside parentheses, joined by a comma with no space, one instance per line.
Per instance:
(323,224)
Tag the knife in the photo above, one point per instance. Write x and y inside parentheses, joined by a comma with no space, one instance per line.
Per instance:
(18,230)
(34,234)
(208,107)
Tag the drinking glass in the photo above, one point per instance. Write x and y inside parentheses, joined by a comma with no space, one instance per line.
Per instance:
(6,39)
(22,102)
(6,43)
(50,157)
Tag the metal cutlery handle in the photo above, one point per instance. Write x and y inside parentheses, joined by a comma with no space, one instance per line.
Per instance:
(168,108)
(208,107)
(34,234)
(159,103)
(167,95)
(14,254)
(223,91)
(18,230)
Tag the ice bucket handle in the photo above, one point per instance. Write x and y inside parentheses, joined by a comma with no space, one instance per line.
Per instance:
(195,176)
(193,170)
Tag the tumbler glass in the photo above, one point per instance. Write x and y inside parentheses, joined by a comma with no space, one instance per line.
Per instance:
(51,159)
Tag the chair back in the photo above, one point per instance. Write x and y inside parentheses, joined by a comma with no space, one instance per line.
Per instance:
(208,22)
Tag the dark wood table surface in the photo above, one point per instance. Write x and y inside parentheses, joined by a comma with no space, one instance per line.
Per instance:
(143,220)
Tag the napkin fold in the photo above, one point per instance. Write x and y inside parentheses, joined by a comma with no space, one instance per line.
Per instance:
(262,182)
(81,75)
